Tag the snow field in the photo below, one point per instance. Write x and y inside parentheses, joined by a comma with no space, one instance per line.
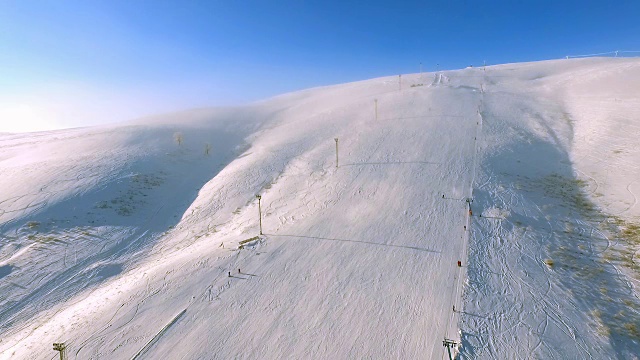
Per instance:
(128,255)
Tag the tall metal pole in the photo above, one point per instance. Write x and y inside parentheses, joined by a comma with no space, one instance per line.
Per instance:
(336,139)
(259,212)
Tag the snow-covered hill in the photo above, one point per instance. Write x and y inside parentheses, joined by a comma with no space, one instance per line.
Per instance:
(125,243)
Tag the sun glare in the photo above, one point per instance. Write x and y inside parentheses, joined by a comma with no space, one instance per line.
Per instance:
(24,118)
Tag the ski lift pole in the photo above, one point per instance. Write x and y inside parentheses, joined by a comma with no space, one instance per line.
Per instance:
(448,344)
(62,349)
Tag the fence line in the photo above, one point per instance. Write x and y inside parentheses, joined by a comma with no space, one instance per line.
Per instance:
(614,53)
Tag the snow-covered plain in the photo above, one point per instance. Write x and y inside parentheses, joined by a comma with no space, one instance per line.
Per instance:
(119,241)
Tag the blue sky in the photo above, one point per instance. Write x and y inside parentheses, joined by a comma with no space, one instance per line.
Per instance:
(74,63)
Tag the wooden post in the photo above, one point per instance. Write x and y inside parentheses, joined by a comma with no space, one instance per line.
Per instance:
(336,139)
(259,212)
(375,102)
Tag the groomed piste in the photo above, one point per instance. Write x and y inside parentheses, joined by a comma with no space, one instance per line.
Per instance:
(494,207)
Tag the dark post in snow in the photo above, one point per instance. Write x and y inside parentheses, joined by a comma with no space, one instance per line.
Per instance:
(60,347)
(259,212)
(336,139)
(448,344)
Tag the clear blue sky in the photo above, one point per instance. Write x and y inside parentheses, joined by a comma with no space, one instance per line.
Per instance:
(71,63)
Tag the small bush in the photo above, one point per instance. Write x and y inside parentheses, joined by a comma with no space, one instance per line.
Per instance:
(179,138)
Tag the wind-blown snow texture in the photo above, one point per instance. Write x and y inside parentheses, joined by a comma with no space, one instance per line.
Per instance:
(119,242)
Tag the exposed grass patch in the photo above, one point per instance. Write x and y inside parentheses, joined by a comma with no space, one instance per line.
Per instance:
(631,233)
(632,330)
(125,210)
(46,239)
(569,191)
(103,205)
(600,326)
(586,252)
(127,201)
(147,181)
(627,234)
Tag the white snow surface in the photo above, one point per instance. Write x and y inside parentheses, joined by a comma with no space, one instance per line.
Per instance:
(119,241)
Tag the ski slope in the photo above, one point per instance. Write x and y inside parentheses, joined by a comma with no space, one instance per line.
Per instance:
(124,244)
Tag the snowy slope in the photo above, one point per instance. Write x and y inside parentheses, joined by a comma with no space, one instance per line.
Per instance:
(119,241)
(559,207)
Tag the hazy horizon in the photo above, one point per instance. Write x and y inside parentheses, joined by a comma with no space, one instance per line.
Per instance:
(70,64)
